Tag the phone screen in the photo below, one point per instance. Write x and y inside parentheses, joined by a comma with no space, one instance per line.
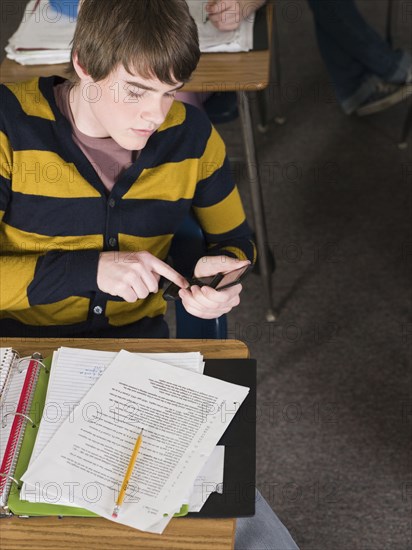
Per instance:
(232,278)
(224,280)
(202,281)
(219,282)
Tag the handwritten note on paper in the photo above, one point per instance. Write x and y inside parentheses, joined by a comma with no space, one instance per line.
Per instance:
(182,414)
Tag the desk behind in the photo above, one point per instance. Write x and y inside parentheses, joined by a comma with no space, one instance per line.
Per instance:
(99,533)
(215,72)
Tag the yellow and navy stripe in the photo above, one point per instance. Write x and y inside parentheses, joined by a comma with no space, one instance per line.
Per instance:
(56,215)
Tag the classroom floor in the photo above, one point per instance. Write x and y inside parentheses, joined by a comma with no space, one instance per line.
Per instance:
(334,372)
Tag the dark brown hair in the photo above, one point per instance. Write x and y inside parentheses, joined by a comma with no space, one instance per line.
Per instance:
(155,38)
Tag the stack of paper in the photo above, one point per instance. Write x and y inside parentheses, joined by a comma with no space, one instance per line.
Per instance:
(73,373)
(96,405)
(45,35)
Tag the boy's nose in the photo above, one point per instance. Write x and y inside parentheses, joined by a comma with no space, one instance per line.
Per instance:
(154,112)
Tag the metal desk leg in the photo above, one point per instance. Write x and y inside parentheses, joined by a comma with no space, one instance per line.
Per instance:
(275,68)
(403,144)
(275,77)
(257,201)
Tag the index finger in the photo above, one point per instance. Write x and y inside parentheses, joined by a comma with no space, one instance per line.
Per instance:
(169,273)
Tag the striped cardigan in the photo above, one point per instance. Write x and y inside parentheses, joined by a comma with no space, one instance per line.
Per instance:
(56,215)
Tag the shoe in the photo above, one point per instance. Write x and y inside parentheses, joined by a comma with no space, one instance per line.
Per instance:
(385,95)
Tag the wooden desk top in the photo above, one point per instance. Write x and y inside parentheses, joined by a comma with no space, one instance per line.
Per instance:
(99,533)
(211,349)
(222,72)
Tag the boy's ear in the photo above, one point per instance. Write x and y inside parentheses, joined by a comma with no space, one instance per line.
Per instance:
(80,70)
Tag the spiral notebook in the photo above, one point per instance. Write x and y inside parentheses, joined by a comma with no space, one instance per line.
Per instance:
(18,380)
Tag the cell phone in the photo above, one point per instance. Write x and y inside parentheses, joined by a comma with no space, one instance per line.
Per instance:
(220,281)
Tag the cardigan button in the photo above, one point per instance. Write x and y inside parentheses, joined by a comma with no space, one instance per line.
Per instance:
(98,310)
(112,202)
(112,242)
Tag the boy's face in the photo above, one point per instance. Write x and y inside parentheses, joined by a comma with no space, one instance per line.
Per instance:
(128,108)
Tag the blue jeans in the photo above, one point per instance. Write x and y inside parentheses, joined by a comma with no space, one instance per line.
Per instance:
(356,56)
(263,531)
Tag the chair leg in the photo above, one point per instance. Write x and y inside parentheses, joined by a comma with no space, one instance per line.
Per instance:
(389,18)
(262,111)
(257,202)
(275,81)
(275,68)
(403,144)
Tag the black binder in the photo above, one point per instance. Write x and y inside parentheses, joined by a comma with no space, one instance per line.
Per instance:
(238,498)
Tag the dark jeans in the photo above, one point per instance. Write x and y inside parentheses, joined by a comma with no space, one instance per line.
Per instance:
(356,56)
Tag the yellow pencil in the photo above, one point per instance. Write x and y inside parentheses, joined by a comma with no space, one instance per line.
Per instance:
(127,476)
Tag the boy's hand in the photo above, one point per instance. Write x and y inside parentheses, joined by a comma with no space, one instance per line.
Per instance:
(227,15)
(206,302)
(133,275)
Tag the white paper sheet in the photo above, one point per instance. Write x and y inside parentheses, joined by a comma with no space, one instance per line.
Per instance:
(209,480)
(72,375)
(183,417)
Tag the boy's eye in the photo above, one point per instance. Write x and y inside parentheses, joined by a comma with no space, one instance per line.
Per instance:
(141,93)
(135,94)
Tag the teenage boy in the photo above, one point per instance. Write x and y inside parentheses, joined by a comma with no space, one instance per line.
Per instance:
(99,171)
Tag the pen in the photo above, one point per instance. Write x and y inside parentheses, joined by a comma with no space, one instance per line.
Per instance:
(127,476)
(205,14)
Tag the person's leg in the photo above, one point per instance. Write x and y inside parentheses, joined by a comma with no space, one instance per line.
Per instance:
(351,81)
(263,531)
(357,58)
(345,25)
